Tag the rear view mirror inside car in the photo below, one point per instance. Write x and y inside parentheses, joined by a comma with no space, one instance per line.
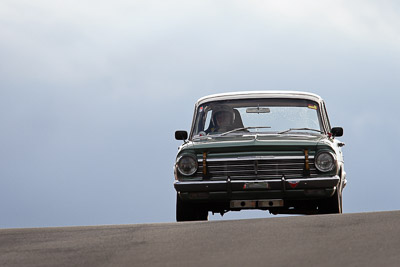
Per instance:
(258,110)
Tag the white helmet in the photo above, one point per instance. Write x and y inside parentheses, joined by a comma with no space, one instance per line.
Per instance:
(223,108)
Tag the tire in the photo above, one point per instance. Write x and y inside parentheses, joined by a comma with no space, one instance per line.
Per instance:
(189,212)
(332,205)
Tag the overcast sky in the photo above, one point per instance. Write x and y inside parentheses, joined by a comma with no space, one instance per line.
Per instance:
(91,93)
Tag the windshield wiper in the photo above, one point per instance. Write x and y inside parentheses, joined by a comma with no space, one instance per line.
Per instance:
(243,129)
(300,129)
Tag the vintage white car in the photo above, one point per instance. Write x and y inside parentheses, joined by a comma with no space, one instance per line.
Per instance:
(268,150)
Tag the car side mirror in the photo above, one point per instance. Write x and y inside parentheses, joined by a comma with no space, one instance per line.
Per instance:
(337,131)
(181,135)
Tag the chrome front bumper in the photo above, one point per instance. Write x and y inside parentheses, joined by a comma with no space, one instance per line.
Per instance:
(258,189)
(239,185)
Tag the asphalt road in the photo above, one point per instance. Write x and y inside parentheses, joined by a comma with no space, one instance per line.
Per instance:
(363,239)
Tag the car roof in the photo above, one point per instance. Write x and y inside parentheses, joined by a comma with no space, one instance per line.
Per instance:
(259,94)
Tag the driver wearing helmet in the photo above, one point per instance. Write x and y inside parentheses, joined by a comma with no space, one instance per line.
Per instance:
(222,119)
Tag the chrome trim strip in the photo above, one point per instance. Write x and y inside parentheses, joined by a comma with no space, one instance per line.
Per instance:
(260,166)
(254,171)
(254,158)
(201,182)
(280,164)
(258,178)
(336,177)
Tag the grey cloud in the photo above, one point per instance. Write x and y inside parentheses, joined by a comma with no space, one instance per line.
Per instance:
(91,93)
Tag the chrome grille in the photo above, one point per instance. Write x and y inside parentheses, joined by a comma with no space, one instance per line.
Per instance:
(220,169)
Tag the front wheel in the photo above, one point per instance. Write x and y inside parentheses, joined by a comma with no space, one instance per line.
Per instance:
(332,205)
(189,212)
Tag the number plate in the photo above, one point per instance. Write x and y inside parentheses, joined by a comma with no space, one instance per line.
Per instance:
(255,185)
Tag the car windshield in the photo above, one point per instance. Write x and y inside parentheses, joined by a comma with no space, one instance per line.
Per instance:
(261,116)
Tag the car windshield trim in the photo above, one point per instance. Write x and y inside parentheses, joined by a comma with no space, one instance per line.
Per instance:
(301,129)
(284,113)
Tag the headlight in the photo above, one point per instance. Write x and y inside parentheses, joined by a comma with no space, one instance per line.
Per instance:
(187,165)
(325,161)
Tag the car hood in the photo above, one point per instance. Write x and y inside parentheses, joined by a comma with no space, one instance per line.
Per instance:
(250,143)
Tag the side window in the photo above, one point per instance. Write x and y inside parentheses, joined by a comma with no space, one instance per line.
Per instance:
(208,119)
(326,118)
